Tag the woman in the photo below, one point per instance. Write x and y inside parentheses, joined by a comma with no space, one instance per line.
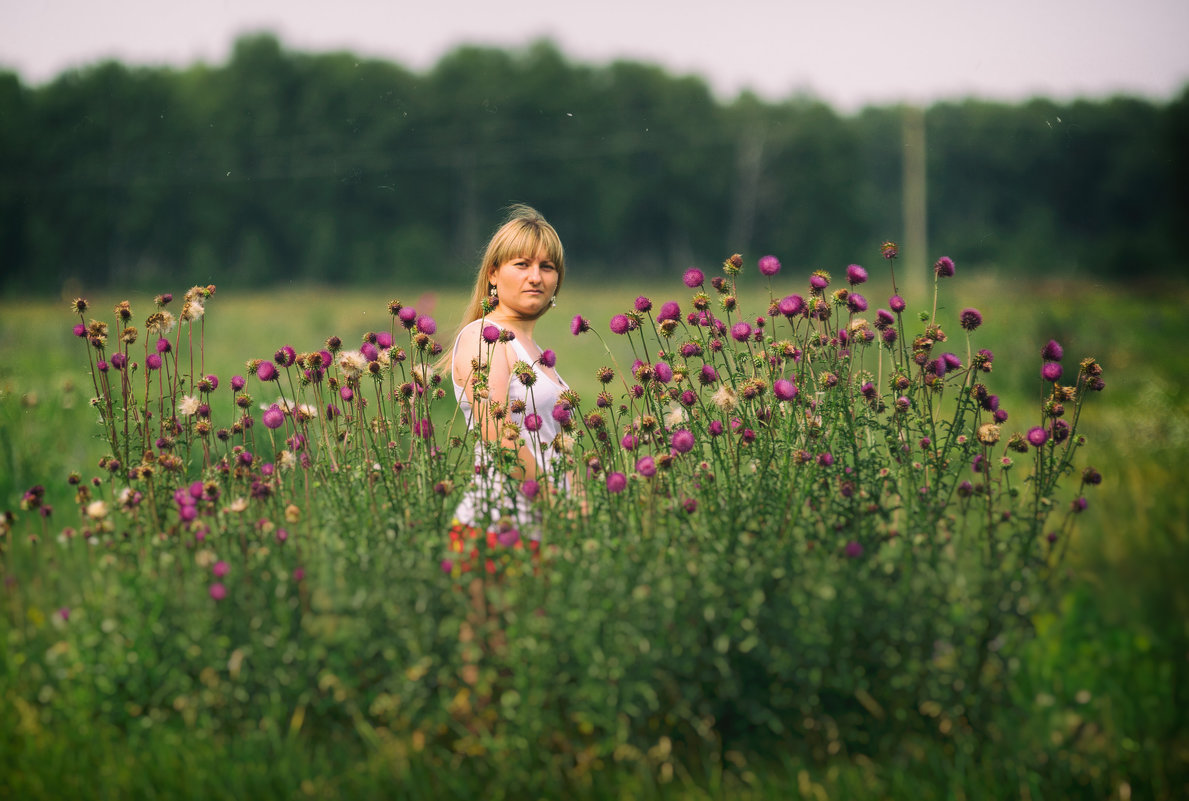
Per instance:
(504,382)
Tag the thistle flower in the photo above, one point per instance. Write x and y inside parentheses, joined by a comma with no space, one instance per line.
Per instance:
(988,433)
(682,441)
(629,442)
(724,397)
(407,316)
(784,389)
(423,427)
(619,324)
(1037,436)
(285,356)
(153,361)
(896,304)
(818,281)
(707,375)
(548,358)
(616,482)
(188,406)
(662,372)
(669,311)
(970,319)
(529,489)
(273,418)
(944,267)
(856,275)
(740,332)
(889,250)
(426,325)
(352,363)
(693,277)
(1050,371)
(791,306)
(119,360)
(80,330)
(383,339)
(733,265)
(825,459)
(854,550)
(769,266)
(266,372)
(237,383)
(579,325)
(1052,351)
(491,334)
(856,303)
(646,466)
(79,305)
(561,413)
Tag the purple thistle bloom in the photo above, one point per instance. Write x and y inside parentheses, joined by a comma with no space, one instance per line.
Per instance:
(285,356)
(619,324)
(708,374)
(688,398)
(491,334)
(1051,371)
(1037,436)
(616,482)
(952,362)
(332,411)
(769,266)
(784,389)
(715,428)
(936,366)
(669,311)
(153,361)
(509,538)
(856,302)
(408,316)
(897,304)
(825,459)
(561,412)
(532,422)
(663,372)
(80,330)
(1000,416)
(237,382)
(854,550)
(682,441)
(273,417)
(856,275)
(747,435)
(119,360)
(426,325)
(791,306)
(548,358)
(579,325)
(643,304)
(888,335)
(266,372)
(740,332)
(369,351)
(818,282)
(346,393)
(384,339)
(163,345)
(693,277)
(883,318)
(1052,351)
(423,428)
(629,442)
(944,267)
(1079,504)
(218,591)
(529,489)
(970,319)
(646,466)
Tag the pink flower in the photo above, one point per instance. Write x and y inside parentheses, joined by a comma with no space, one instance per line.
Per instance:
(646,466)
(529,488)
(855,274)
(220,569)
(619,324)
(273,417)
(784,389)
(769,266)
(682,441)
(218,591)
(740,332)
(532,422)
(548,358)
(616,482)
(693,277)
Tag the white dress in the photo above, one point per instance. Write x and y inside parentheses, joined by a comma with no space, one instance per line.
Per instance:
(492,495)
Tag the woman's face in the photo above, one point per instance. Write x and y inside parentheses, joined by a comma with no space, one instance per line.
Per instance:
(525,285)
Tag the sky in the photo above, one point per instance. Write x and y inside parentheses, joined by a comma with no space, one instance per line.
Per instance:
(848,52)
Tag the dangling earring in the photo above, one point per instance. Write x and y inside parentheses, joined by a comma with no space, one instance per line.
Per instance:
(492,292)
(553,301)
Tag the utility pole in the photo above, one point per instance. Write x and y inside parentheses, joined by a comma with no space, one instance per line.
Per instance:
(915,254)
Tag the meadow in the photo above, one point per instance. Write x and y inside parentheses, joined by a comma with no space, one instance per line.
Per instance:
(650,649)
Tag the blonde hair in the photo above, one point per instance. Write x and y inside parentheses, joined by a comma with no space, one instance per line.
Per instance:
(524,233)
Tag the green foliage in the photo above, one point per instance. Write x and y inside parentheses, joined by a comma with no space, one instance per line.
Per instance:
(279,164)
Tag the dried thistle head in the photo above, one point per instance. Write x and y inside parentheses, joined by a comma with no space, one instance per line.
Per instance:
(79,305)
(123,311)
(988,433)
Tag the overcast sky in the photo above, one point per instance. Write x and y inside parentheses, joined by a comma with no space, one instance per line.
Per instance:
(848,52)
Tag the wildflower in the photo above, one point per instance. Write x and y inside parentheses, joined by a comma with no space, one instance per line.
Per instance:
(529,489)
(682,441)
(669,311)
(1052,351)
(629,442)
(693,277)
(854,550)
(273,417)
(889,250)
(407,316)
(662,372)
(988,433)
(285,356)
(944,267)
(897,304)
(119,360)
(784,389)
(352,363)
(769,266)
(616,482)
(561,413)
(369,352)
(724,397)
(646,466)
(423,427)
(1051,371)
(970,319)
(579,325)
(237,383)
(79,305)
(825,459)
(619,324)
(426,325)
(818,281)
(1037,436)
(266,372)
(707,375)
(740,332)
(96,510)
(153,361)
(548,358)
(733,265)
(491,334)
(188,406)
(532,422)
(856,302)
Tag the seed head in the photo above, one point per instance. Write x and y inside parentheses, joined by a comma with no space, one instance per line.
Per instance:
(988,433)
(733,265)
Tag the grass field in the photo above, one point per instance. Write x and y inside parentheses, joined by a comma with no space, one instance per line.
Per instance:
(1105,684)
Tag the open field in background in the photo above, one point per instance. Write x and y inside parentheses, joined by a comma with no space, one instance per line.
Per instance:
(1130,549)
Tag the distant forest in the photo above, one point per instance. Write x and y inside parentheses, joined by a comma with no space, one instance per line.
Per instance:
(329,168)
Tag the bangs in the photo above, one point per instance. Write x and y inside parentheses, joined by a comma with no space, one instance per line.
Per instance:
(527,240)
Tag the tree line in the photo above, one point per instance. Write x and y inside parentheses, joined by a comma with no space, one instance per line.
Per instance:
(281,165)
